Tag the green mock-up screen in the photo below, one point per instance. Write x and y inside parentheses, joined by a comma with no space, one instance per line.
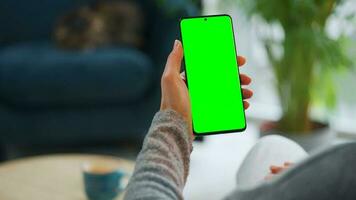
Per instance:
(212,74)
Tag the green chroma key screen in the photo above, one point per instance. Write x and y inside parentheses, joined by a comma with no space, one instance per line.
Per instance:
(212,74)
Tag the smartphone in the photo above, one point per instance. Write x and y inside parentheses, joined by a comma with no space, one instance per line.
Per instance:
(212,74)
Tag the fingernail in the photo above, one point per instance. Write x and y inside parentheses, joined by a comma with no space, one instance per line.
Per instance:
(176,42)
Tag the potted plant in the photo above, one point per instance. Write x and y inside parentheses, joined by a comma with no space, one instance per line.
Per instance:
(303,62)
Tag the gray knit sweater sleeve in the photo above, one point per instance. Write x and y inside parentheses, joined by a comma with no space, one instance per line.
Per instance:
(162,165)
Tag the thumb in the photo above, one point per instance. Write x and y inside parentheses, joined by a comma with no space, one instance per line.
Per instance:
(174,60)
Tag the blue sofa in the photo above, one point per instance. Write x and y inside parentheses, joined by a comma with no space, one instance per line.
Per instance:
(50,96)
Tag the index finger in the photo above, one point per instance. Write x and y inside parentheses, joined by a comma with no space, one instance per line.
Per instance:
(241,60)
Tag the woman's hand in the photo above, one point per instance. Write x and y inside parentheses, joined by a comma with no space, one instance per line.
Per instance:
(174,90)
(275,169)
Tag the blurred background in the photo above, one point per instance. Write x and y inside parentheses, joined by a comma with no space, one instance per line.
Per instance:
(82,76)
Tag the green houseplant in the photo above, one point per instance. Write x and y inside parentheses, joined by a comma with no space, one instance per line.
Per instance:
(309,57)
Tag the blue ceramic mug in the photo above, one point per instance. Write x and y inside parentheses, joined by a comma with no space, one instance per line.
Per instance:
(102,182)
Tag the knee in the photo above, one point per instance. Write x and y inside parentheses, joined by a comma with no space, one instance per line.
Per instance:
(274,140)
(278,143)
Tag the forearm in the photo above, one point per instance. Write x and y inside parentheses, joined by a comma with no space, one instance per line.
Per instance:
(163,163)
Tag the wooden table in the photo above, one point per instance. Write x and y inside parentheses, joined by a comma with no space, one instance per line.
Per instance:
(56,177)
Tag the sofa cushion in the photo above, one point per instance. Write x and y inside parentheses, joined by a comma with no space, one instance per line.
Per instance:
(38,74)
